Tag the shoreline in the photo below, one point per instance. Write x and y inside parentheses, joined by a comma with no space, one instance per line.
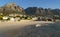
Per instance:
(22,23)
(19,24)
(13,28)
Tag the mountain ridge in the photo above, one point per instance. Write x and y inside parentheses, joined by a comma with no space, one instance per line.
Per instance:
(13,8)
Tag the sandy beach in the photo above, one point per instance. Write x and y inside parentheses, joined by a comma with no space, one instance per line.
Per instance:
(21,23)
(18,24)
(12,26)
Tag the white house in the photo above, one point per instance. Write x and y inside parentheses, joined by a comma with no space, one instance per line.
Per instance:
(5,18)
(12,19)
(20,15)
(35,18)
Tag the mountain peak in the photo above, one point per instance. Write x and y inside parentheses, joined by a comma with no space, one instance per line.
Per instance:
(12,8)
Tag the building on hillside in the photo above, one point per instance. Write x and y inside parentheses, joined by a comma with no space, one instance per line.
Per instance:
(35,18)
(5,18)
(12,19)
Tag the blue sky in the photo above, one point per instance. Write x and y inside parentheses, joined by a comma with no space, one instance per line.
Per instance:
(34,3)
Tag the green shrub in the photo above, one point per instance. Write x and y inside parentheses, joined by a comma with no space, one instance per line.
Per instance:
(1,17)
(8,19)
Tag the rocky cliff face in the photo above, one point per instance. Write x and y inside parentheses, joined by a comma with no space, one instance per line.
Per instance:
(35,11)
(41,11)
(11,8)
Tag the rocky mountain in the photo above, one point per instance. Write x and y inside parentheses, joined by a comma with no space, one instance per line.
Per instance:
(41,11)
(11,8)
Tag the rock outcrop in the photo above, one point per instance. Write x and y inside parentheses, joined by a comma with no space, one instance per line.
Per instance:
(11,8)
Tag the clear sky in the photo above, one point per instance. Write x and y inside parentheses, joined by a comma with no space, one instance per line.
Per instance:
(34,3)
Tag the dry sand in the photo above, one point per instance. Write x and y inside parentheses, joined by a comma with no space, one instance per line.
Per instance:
(21,23)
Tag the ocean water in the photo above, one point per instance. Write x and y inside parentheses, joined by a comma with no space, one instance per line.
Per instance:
(50,30)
